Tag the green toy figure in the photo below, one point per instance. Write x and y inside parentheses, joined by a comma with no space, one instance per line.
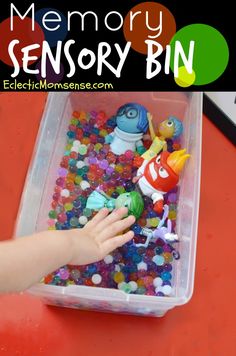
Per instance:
(132,200)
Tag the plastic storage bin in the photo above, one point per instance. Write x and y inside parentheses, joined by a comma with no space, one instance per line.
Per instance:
(42,174)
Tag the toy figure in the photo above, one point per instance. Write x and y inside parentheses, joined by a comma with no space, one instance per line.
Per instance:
(160,232)
(167,129)
(132,200)
(159,175)
(132,123)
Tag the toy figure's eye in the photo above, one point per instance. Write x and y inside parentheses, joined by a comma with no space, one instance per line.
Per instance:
(169,123)
(127,195)
(163,173)
(132,113)
(126,205)
(158,160)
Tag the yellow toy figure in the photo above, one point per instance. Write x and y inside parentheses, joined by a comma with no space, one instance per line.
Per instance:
(171,128)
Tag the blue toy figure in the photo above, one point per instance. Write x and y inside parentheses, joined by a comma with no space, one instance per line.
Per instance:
(132,123)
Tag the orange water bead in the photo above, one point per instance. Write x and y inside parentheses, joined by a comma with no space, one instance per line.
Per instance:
(140,282)
(88,282)
(54,204)
(70,185)
(85,140)
(119,168)
(142,222)
(176,146)
(73,155)
(75,114)
(110,191)
(168,257)
(148,280)
(91,176)
(70,177)
(48,278)
(137,162)
(133,276)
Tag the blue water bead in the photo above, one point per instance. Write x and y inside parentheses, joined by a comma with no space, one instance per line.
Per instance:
(136,258)
(167,267)
(91,269)
(58,226)
(86,134)
(158,250)
(129,186)
(95,130)
(136,229)
(166,283)
(72,169)
(166,276)
(70,214)
(71,134)
(111,122)
(65,226)
(151,214)
(160,294)
(158,260)
(77,203)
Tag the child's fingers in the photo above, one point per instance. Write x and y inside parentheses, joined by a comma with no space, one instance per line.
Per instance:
(113,217)
(116,228)
(117,241)
(100,216)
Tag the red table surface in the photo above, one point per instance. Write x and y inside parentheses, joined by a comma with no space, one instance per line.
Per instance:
(205,326)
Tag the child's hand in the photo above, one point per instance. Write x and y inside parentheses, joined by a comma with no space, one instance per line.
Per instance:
(100,236)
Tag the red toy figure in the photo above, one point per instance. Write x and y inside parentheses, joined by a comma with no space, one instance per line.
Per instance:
(159,175)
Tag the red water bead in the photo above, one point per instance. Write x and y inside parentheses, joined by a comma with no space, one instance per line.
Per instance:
(64,164)
(91,176)
(99,172)
(129,154)
(133,276)
(141,274)
(93,168)
(153,274)
(150,291)
(70,186)
(176,146)
(106,147)
(76,114)
(111,157)
(137,162)
(93,138)
(57,189)
(48,278)
(142,222)
(127,168)
(62,217)
(150,253)
(148,280)
(127,175)
(147,144)
(101,115)
(56,196)
(79,133)
(72,127)
(88,282)
(54,204)
(122,159)
(73,155)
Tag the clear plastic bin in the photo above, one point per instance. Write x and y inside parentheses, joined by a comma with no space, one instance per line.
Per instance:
(42,174)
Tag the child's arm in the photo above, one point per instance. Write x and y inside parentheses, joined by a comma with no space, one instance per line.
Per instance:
(26,260)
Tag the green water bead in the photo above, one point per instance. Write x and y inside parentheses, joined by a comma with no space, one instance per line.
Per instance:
(120,189)
(74,221)
(74,121)
(68,206)
(87,212)
(78,179)
(52,214)
(141,290)
(83,149)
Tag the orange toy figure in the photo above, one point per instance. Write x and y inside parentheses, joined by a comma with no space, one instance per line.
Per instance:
(159,175)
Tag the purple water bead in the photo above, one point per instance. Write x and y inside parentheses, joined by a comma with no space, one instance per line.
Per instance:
(92,160)
(62,172)
(103,164)
(109,170)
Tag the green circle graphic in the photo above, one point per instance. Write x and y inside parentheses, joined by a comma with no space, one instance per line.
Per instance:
(211,52)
